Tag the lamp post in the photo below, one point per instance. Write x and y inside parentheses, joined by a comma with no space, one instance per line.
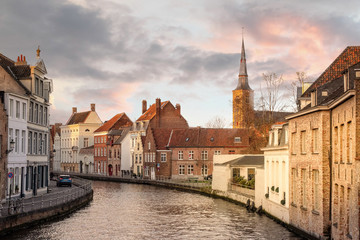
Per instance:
(12,146)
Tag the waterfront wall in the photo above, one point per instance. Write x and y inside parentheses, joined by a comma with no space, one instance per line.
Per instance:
(32,211)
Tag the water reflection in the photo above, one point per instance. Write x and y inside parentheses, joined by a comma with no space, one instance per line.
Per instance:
(127,211)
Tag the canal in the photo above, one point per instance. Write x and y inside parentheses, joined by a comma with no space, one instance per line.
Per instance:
(130,211)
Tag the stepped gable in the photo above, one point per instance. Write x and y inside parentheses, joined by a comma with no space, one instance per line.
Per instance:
(349,57)
(77,118)
(151,112)
(208,137)
(119,120)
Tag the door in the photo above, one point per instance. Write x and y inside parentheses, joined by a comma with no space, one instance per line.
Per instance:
(110,170)
(152,173)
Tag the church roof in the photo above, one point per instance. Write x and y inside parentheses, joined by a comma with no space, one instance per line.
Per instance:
(243,83)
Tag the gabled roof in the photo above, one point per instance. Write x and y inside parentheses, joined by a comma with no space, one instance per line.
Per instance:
(119,120)
(161,137)
(208,137)
(21,71)
(151,112)
(124,132)
(348,57)
(77,118)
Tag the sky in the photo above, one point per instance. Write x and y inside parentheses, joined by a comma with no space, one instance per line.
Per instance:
(115,53)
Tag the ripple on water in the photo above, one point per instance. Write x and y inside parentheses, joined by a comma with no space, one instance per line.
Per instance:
(128,211)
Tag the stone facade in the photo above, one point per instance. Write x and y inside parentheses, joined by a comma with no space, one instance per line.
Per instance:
(310,172)
(3,148)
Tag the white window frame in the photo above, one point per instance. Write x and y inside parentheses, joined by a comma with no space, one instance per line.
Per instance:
(163,157)
(181,155)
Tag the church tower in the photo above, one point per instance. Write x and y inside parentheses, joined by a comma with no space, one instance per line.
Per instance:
(243,97)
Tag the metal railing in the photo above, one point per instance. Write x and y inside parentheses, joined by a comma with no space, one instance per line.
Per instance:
(23,205)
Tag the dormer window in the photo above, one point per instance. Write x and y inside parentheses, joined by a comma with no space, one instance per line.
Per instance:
(237,140)
(346,81)
(313,99)
(212,139)
(187,139)
(324,93)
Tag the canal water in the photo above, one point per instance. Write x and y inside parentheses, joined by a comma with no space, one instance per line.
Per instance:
(130,211)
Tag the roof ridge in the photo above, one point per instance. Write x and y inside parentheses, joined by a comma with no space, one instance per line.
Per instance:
(10,60)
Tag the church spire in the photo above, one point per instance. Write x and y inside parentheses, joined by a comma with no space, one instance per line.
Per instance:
(243,77)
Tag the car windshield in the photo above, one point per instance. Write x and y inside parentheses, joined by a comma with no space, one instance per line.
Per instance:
(65,177)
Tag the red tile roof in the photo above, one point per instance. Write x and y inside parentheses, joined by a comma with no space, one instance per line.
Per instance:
(349,57)
(151,112)
(208,137)
(161,137)
(118,121)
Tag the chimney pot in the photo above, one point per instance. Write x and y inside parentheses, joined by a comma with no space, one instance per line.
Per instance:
(74,110)
(144,106)
(92,106)
(18,59)
(178,108)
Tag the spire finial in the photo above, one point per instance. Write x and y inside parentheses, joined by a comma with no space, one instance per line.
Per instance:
(38,52)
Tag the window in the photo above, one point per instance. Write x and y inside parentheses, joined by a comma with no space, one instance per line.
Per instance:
(204,170)
(35,143)
(24,111)
(140,158)
(36,86)
(17,140)
(316,189)
(101,152)
(45,116)
(303,187)
(41,149)
(237,140)
(11,109)
(31,109)
(17,109)
(23,141)
(163,157)
(86,142)
(293,183)
(190,170)
(149,145)
(36,114)
(348,142)
(181,169)
(153,157)
(217,152)
(11,137)
(109,153)
(181,155)
(138,146)
(102,140)
(45,143)
(41,115)
(105,152)
(191,155)
(231,151)
(41,88)
(204,155)
(315,140)
(302,138)
(293,143)
(341,142)
(30,142)
(136,158)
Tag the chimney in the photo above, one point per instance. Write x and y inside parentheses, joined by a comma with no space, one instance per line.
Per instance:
(144,106)
(74,110)
(158,105)
(178,108)
(92,106)
(21,60)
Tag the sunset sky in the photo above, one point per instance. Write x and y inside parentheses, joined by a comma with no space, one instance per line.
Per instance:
(115,53)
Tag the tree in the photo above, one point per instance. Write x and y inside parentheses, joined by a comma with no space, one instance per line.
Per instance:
(216,122)
(271,98)
(301,77)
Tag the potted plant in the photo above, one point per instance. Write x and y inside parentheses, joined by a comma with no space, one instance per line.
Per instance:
(283,202)
(267,195)
(277,189)
(273,188)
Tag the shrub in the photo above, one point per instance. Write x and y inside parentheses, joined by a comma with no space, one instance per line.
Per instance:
(243,182)
(277,189)
(273,188)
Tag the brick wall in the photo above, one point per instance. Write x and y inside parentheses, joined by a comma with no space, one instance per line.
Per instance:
(169,117)
(310,211)
(3,147)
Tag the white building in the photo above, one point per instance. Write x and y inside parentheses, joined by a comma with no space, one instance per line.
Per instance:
(16,106)
(77,133)
(137,132)
(276,188)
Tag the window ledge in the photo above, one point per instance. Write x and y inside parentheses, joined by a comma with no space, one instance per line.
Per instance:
(315,212)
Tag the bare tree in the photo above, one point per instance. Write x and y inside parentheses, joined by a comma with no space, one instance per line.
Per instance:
(216,122)
(271,96)
(301,77)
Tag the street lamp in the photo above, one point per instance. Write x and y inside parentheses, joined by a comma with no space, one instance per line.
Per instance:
(12,146)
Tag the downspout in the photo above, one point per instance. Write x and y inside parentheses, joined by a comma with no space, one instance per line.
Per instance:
(331,172)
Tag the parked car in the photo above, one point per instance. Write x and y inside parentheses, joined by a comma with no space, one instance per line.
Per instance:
(209,177)
(64,180)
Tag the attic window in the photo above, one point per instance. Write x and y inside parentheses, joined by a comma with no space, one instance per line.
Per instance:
(212,139)
(87,130)
(237,139)
(187,139)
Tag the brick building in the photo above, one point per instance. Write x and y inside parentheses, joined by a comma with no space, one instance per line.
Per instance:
(115,147)
(192,149)
(324,154)
(102,140)
(76,134)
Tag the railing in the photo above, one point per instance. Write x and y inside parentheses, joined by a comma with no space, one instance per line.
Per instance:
(242,189)
(23,205)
